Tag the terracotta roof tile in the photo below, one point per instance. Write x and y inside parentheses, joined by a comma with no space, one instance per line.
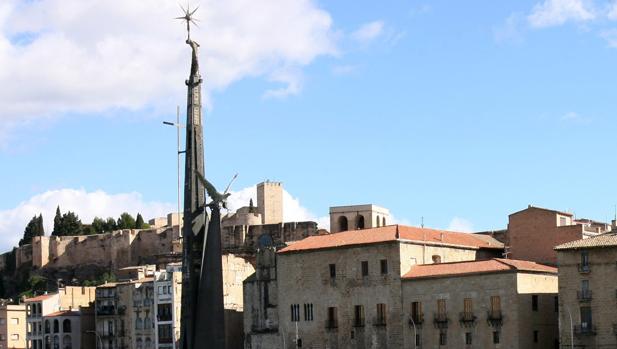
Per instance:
(393,233)
(604,240)
(40,298)
(64,313)
(475,267)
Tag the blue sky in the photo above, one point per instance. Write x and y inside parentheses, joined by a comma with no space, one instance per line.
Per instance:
(458,112)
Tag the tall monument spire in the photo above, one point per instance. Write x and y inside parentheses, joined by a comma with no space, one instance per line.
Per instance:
(202,322)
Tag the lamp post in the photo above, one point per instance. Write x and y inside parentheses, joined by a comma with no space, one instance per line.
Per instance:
(97,337)
(415,333)
(178,126)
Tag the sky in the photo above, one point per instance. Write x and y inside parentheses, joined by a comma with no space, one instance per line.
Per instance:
(454,114)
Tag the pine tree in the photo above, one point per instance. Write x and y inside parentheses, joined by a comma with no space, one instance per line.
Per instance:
(57,222)
(41,228)
(139,221)
(110,225)
(71,224)
(98,225)
(126,221)
(32,230)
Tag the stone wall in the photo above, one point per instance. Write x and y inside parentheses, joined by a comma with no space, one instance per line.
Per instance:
(246,238)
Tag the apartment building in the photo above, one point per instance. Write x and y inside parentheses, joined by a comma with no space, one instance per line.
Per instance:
(587,292)
(12,326)
(168,305)
(345,290)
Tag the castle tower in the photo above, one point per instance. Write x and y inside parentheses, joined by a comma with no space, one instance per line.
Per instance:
(343,218)
(270,202)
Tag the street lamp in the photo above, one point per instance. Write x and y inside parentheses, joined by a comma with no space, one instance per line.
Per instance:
(97,337)
(178,126)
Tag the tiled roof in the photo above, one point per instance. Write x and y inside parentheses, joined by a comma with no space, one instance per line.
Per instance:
(40,298)
(604,240)
(64,313)
(495,265)
(543,209)
(393,233)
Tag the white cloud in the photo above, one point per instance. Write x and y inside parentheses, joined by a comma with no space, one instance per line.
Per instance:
(78,56)
(461,225)
(85,204)
(368,32)
(610,36)
(556,12)
(612,11)
(293,211)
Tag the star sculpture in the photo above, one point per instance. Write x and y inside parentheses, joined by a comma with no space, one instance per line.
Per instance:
(188,17)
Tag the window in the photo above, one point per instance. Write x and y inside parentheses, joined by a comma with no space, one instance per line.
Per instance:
(364,268)
(436,259)
(2,321)
(14,337)
(468,338)
(295,312)
(110,328)
(384,266)
(332,318)
(467,306)
(535,336)
(358,316)
(383,221)
(67,343)
(14,321)
(441,308)
(443,337)
(343,224)
(418,340)
(495,337)
(47,326)
(360,222)
(586,320)
(381,314)
(416,312)
(56,326)
(585,260)
(378,222)
(308,312)
(333,270)
(66,326)
(562,221)
(495,306)
(556,304)
(534,302)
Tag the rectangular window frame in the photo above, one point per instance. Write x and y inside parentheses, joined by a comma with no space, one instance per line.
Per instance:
(364,268)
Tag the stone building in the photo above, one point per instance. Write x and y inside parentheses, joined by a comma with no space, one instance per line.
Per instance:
(69,329)
(69,298)
(12,326)
(335,285)
(587,301)
(167,309)
(343,218)
(497,303)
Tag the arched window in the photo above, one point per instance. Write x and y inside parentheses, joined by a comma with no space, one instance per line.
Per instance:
(139,324)
(56,342)
(66,326)
(47,342)
(56,326)
(436,259)
(378,221)
(342,223)
(383,221)
(139,343)
(360,222)
(67,343)
(148,343)
(47,327)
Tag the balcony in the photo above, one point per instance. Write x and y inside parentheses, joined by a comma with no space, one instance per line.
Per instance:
(106,310)
(467,319)
(584,268)
(331,324)
(494,318)
(584,330)
(584,296)
(164,318)
(440,320)
(416,319)
(165,340)
(379,321)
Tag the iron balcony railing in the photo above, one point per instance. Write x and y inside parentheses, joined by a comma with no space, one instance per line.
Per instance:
(494,318)
(584,268)
(440,320)
(584,295)
(467,318)
(585,330)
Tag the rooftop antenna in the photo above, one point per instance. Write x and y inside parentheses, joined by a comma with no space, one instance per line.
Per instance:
(422,224)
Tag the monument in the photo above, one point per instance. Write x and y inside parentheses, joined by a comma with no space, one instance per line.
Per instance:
(202,322)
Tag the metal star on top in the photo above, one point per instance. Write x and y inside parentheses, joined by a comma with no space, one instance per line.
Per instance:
(188,17)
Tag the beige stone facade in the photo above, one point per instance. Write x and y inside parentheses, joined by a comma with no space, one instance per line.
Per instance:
(354,217)
(315,291)
(587,292)
(12,326)
(270,202)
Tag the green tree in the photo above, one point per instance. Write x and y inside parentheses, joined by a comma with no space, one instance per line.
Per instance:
(68,224)
(139,221)
(57,221)
(110,225)
(98,225)
(126,221)
(33,228)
